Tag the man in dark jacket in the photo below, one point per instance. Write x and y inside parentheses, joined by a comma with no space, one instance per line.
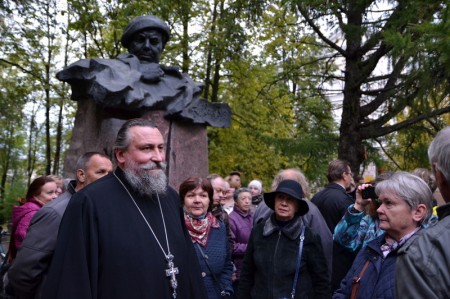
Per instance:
(33,259)
(423,265)
(333,202)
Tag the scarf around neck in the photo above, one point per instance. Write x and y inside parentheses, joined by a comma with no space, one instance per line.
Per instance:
(391,244)
(199,228)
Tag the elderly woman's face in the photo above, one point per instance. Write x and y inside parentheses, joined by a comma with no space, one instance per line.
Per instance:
(254,190)
(285,207)
(196,202)
(147,45)
(244,201)
(396,216)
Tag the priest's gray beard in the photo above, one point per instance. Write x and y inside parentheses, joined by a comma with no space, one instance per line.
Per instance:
(144,179)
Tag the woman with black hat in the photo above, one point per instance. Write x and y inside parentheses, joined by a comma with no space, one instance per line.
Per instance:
(284,258)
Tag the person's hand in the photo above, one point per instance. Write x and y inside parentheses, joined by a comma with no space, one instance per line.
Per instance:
(361,203)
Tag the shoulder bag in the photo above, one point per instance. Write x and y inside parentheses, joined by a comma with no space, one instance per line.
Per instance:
(223,293)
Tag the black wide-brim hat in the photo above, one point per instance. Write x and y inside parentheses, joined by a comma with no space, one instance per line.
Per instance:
(291,188)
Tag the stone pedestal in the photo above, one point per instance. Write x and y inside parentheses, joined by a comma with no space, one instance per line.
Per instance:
(96,128)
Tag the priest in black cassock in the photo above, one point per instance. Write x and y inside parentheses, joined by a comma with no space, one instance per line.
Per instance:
(123,236)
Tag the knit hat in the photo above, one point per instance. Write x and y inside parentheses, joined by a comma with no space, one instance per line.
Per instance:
(291,188)
(144,22)
(256,183)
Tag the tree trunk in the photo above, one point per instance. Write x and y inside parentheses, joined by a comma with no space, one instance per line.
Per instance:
(210,50)
(350,141)
(48,103)
(6,162)
(185,41)
(58,145)
(217,62)
(32,139)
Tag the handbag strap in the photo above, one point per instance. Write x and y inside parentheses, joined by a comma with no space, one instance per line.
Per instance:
(299,257)
(357,281)
(205,257)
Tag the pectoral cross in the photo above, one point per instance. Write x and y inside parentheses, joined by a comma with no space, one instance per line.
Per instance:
(171,271)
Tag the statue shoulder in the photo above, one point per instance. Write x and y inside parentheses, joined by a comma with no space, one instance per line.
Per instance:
(172,71)
(84,69)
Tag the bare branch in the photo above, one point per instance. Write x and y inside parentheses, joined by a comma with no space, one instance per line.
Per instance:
(317,30)
(378,132)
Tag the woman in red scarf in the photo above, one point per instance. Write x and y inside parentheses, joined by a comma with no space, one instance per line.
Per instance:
(209,236)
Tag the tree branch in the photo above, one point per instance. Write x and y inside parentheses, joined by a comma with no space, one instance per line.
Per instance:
(317,30)
(388,90)
(386,153)
(371,132)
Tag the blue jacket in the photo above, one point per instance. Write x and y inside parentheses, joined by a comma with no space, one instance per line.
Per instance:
(378,280)
(355,230)
(219,260)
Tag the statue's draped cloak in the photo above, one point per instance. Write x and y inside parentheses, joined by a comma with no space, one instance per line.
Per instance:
(125,83)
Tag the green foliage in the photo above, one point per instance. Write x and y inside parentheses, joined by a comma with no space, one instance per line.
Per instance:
(277,122)
(257,111)
(384,49)
(285,68)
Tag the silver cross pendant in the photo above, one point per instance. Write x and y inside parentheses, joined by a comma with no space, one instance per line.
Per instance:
(171,271)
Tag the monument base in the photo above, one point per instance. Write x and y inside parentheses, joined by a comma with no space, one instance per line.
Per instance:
(95,129)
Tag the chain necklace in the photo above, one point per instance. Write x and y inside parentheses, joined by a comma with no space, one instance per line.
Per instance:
(171,270)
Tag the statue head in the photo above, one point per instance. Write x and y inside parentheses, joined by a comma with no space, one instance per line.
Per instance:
(145,37)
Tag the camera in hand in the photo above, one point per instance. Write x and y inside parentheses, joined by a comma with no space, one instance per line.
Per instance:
(369,192)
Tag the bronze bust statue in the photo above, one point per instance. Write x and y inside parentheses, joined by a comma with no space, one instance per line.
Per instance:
(135,82)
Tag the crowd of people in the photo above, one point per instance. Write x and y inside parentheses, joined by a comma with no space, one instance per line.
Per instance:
(123,232)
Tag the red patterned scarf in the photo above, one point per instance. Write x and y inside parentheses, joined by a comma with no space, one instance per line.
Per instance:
(199,228)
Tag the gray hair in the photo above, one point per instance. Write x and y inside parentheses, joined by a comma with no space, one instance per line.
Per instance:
(298,176)
(123,138)
(439,152)
(84,159)
(427,176)
(211,177)
(412,189)
(239,191)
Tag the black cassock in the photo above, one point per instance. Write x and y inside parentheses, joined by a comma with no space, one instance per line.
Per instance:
(106,250)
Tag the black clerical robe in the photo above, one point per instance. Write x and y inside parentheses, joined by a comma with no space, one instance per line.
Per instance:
(106,250)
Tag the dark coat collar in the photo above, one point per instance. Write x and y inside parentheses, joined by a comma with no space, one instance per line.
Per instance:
(443,211)
(334,185)
(291,230)
(71,187)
